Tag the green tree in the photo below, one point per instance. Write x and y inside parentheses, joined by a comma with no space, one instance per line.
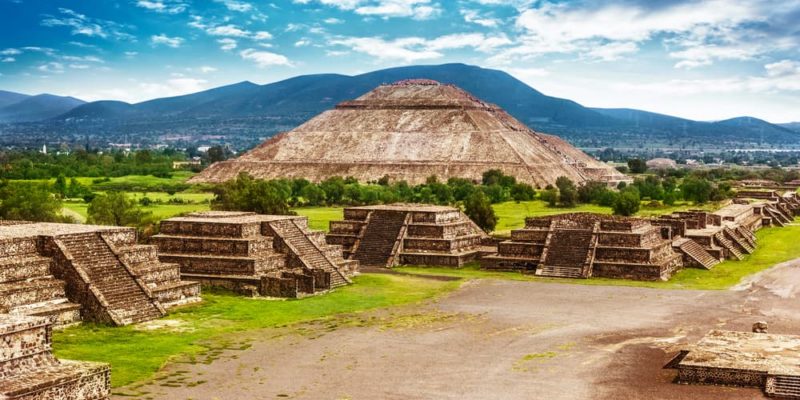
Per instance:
(567,192)
(696,189)
(116,208)
(313,195)
(60,186)
(627,203)
(522,192)
(592,192)
(479,210)
(637,166)
(28,202)
(247,194)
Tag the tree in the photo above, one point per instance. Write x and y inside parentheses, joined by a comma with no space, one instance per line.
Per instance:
(116,208)
(637,166)
(567,192)
(626,203)
(28,202)
(313,195)
(60,186)
(479,210)
(550,196)
(592,191)
(247,194)
(218,153)
(696,189)
(334,189)
(522,192)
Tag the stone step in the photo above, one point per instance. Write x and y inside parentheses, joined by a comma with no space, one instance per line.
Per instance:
(696,252)
(559,272)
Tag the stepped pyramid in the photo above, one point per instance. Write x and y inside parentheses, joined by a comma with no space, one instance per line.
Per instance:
(410,130)
(271,255)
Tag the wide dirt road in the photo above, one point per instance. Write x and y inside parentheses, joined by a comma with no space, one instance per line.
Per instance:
(495,340)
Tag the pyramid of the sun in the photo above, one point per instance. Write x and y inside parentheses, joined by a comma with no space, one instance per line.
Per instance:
(410,130)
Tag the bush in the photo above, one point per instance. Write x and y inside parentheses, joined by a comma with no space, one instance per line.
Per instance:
(567,192)
(115,208)
(29,202)
(246,194)
(522,192)
(479,210)
(637,165)
(627,203)
(550,196)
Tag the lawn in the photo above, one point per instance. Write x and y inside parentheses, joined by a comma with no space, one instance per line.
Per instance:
(135,354)
(160,211)
(775,245)
(319,217)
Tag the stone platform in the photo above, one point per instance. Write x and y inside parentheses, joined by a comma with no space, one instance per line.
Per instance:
(28,370)
(768,361)
(582,245)
(407,234)
(69,272)
(254,254)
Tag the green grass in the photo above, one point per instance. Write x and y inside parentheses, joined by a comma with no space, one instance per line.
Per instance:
(160,211)
(319,217)
(136,354)
(775,245)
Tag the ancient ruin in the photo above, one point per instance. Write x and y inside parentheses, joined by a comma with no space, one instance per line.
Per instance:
(407,234)
(68,272)
(410,130)
(582,245)
(778,207)
(269,255)
(28,370)
(767,361)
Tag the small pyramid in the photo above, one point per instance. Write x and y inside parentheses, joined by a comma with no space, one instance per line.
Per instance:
(410,130)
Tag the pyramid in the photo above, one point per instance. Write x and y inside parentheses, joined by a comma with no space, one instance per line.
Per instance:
(410,130)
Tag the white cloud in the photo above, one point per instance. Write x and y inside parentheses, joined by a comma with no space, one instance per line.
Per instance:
(302,43)
(262,35)
(86,26)
(207,69)
(165,40)
(171,87)
(332,21)
(227,44)
(8,59)
(783,68)
(93,59)
(227,30)
(613,51)
(474,17)
(265,59)
(411,49)
(10,52)
(51,67)
(163,6)
(416,9)
(702,55)
(239,6)
(79,66)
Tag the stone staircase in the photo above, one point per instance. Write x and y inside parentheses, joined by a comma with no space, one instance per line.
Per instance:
(567,254)
(739,240)
(307,251)
(127,301)
(783,386)
(697,253)
(27,287)
(727,244)
(747,235)
(377,245)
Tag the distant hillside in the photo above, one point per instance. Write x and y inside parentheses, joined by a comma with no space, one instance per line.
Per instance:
(795,126)
(9,98)
(37,108)
(243,114)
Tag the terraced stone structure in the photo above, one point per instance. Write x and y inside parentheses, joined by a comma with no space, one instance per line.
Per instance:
(268,255)
(69,272)
(28,370)
(407,234)
(410,130)
(582,245)
(767,361)
(777,208)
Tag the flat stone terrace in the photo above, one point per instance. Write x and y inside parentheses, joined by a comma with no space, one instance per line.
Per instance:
(407,234)
(254,254)
(581,245)
(744,359)
(28,370)
(20,229)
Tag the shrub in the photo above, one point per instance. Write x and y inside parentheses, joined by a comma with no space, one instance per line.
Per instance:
(478,208)
(627,203)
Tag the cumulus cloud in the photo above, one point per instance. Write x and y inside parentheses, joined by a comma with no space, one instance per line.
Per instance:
(10,52)
(239,6)
(227,30)
(264,59)
(163,6)
(227,44)
(165,40)
(475,17)
(51,67)
(416,9)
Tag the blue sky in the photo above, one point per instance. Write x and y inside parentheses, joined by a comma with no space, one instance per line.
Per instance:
(703,60)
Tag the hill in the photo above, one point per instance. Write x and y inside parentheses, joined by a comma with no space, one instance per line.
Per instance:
(37,108)
(9,98)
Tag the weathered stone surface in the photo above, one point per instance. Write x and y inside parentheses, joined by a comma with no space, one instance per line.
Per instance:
(409,234)
(271,255)
(409,131)
(28,370)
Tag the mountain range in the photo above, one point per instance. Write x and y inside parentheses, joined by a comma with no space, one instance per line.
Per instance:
(255,111)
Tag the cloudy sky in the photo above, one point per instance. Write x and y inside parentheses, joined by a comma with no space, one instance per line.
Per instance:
(704,60)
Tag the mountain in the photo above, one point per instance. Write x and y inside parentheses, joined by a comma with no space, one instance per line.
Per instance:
(795,126)
(311,94)
(244,113)
(9,98)
(37,108)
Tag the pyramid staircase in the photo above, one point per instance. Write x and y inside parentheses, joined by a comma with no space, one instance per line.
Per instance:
(739,240)
(122,298)
(696,252)
(569,253)
(308,252)
(747,235)
(379,243)
(783,386)
(727,244)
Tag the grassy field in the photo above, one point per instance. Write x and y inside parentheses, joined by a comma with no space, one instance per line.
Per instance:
(160,211)
(775,245)
(319,217)
(135,353)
